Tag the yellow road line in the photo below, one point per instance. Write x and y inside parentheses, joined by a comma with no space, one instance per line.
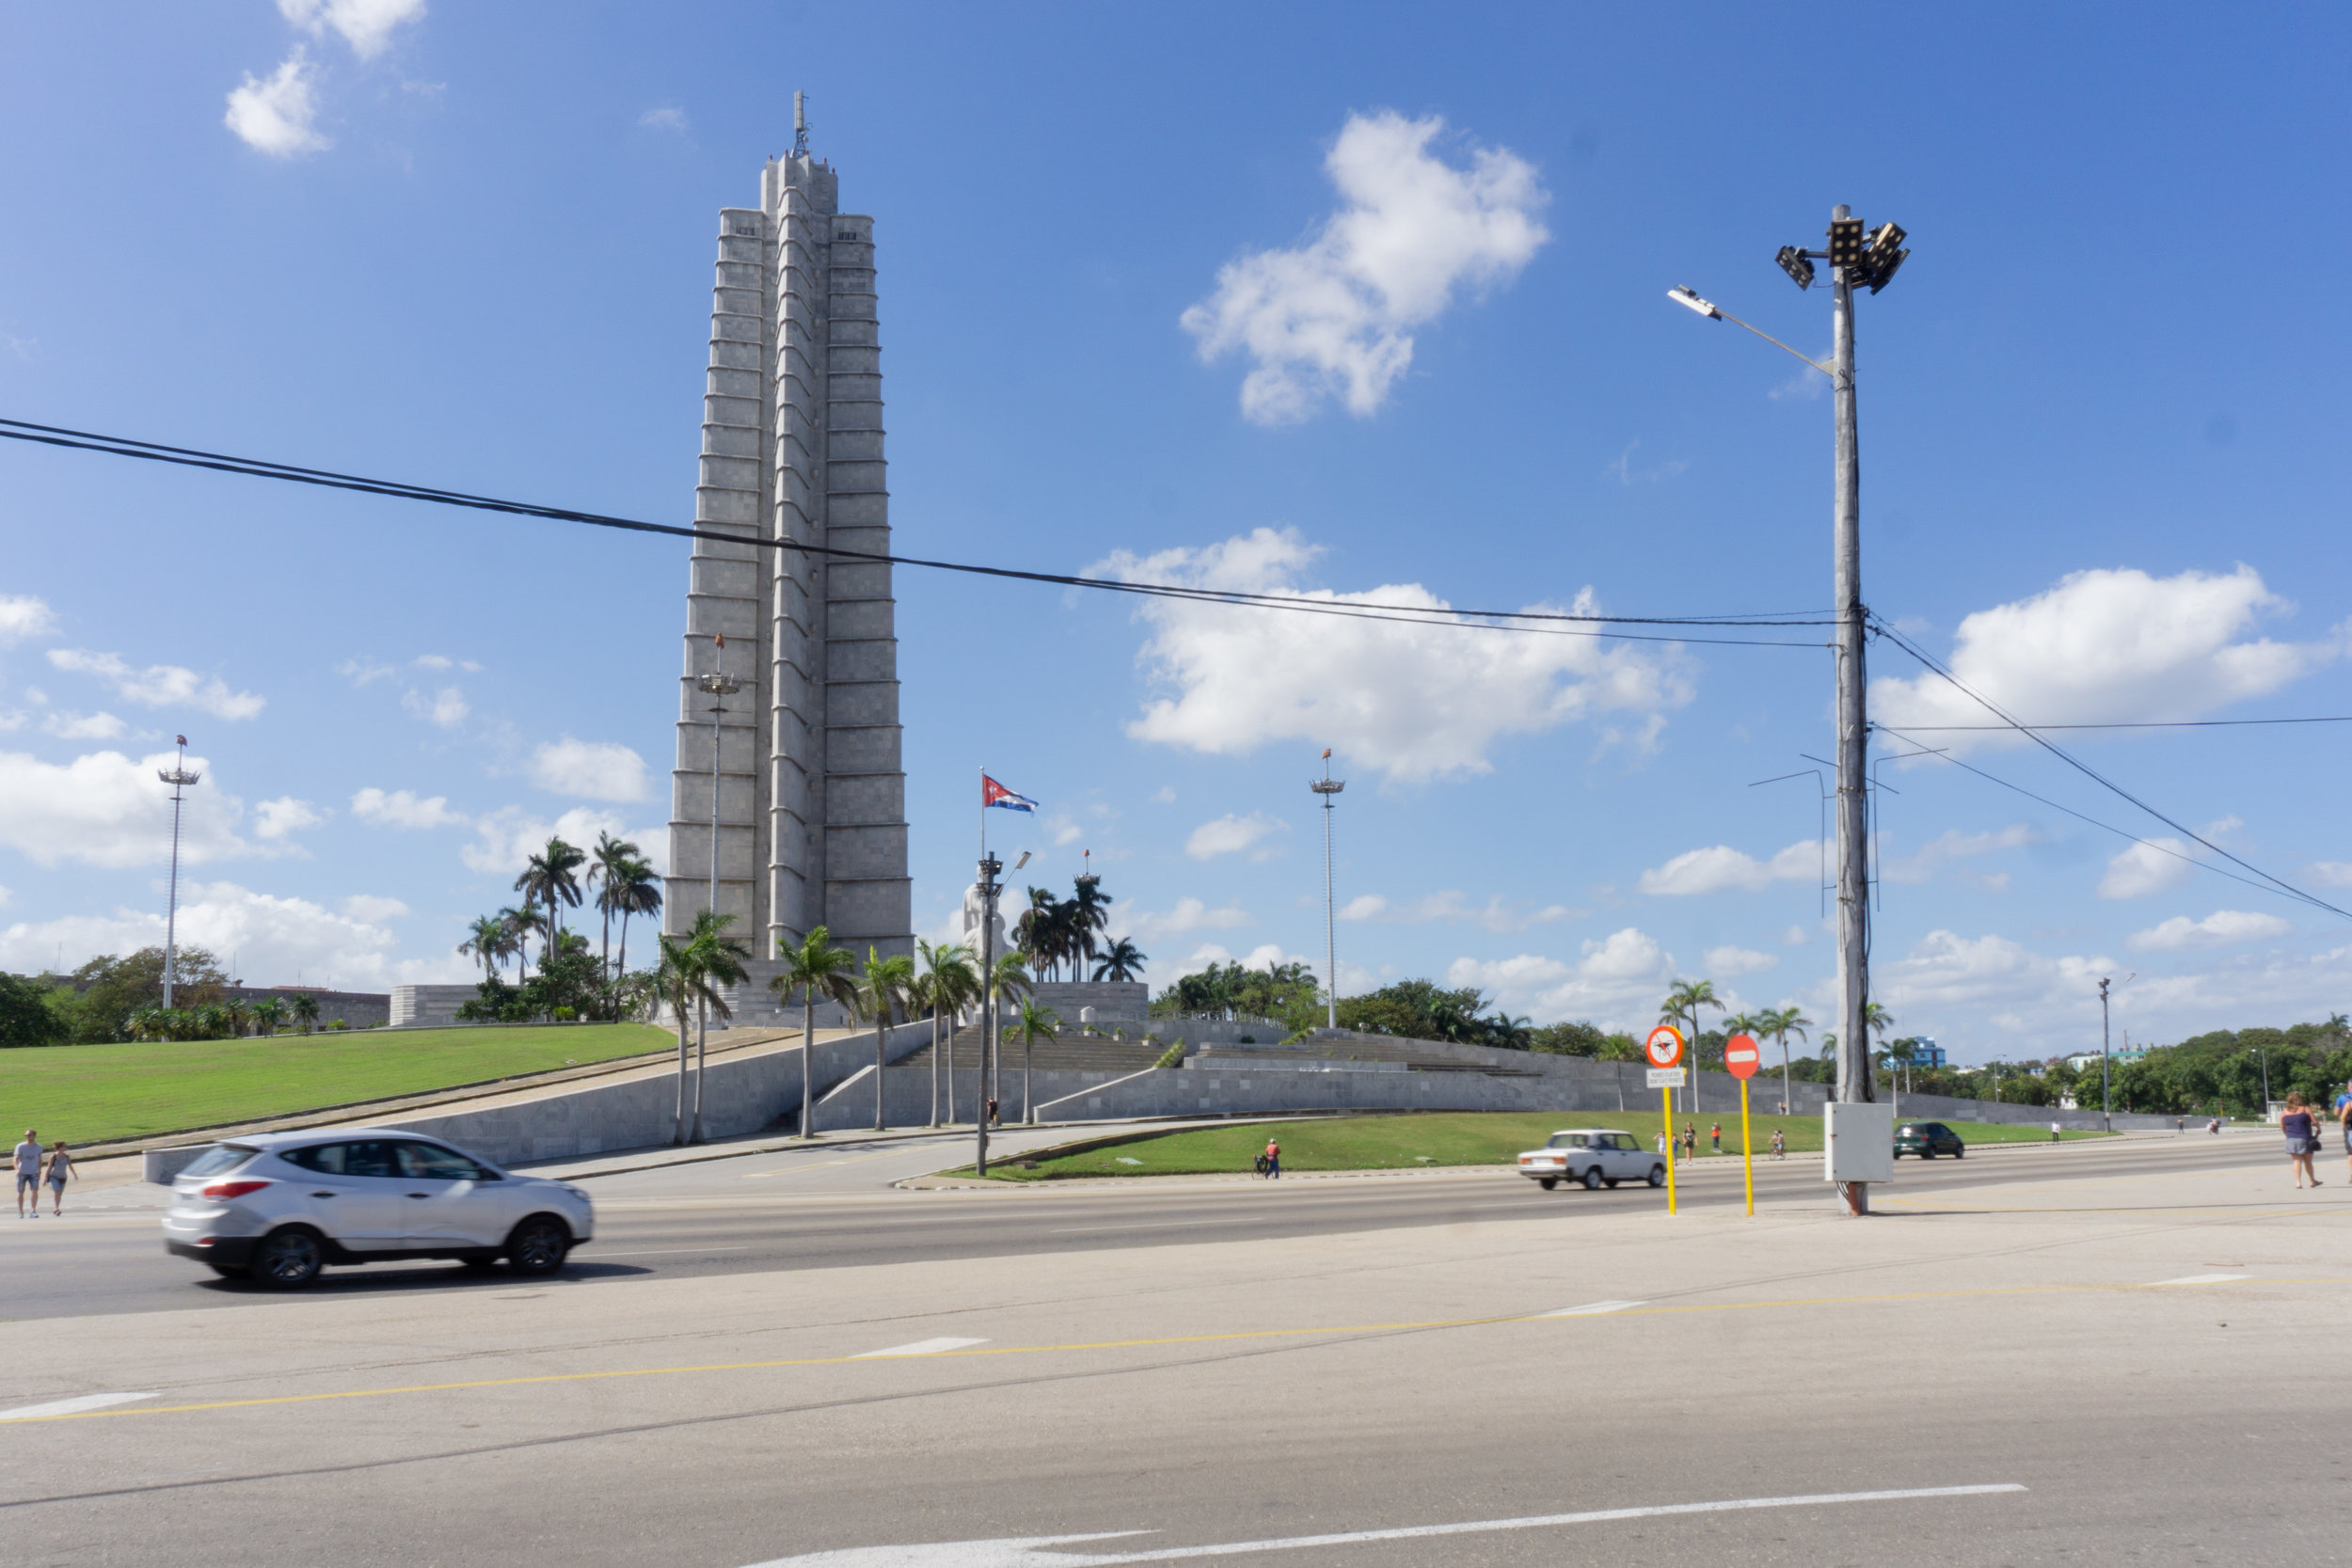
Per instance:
(869,1359)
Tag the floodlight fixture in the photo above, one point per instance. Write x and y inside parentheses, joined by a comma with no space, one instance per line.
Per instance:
(1844,242)
(1794,263)
(1688,297)
(1886,254)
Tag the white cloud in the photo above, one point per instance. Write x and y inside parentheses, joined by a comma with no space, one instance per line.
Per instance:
(276,819)
(1497,914)
(2221,928)
(1334,316)
(374,909)
(1618,982)
(1730,962)
(2331,873)
(1950,845)
(276,116)
(446,707)
(1721,868)
(401,808)
(81,726)
(12,719)
(2024,990)
(22,616)
(1187,914)
(1795,936)
(159,684)
(592,769)
(663,120)
(442,661)
(506,837)
(1416,700)
(367,25)
(1232,835)
(1624,473)
(107,810)
(2107,647)
(2146,868)
(275,939)
(361,672)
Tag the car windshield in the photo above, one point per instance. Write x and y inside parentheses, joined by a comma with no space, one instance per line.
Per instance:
(219,1158)
(1566,1140)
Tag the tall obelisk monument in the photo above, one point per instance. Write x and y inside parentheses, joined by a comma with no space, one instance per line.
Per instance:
(811,791)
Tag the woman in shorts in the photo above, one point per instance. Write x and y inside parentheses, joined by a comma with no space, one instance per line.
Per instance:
(2302,1131)
(60,1168)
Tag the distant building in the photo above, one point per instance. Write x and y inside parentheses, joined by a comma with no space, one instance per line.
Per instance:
(1926,1053)
(2115,1058)
(358,1009)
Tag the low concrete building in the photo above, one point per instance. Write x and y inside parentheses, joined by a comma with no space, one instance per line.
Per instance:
(425,1006)
(353,1009)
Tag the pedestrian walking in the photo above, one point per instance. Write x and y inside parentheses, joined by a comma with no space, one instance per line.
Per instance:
(60,1170)
(1780,1144)
(1690,1141)
(2302,1131)
(1715,1135)
(2344,1120)
(1662,1143)
(1273,1160)
(28,1157)
(992,1112)
(2054,1130)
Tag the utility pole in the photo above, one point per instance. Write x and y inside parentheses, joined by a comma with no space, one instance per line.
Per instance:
(1328,787)
(989,867)
(2106,1116)
(720,686)
(179,778)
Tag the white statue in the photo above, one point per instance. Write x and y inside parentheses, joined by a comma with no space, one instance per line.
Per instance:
(972,923)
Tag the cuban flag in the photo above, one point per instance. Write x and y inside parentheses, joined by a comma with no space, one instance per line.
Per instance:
(994,794)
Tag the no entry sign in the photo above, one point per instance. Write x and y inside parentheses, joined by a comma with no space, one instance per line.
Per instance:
(1741,1055)
(1664,1046)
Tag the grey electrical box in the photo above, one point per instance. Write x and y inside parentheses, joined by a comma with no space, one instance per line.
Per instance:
(1857,1142)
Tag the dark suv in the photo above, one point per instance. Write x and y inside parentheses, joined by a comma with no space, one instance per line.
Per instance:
(1928,1139)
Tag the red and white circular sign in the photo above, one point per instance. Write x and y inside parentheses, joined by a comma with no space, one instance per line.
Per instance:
(1741,1055)
(1664,1046)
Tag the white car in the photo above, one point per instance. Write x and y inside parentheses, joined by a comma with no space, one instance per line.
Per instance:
(1596,1156)
(277,1206)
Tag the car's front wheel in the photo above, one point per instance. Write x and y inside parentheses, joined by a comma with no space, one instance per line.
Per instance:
(1960,1150)
(1592,1179)
(289,1258)
(538,1245)
(1658,1175)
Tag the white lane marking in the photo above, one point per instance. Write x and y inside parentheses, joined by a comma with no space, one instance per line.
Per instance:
(1591,1310)
(663,1252)
(2207,1280)
(1148,1225)
(69,1407)
(920,1347)
(1022,1552)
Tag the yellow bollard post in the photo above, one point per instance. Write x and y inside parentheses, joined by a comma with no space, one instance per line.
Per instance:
(1747,1148)
(1666,1125)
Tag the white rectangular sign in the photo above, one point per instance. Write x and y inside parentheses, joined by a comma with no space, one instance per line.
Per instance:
(1667,1077)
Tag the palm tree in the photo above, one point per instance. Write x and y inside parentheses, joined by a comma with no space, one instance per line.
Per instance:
(693,968)
(268,1013)
(606,866)
(817,965)
(1875,1021)
(236,1013)
(1008,981)
(305,1008)
(1780,1023)
(1089,913)
(1034,1020)
(1123,961)
(876,996)
(521,926)
(549,877)
(1033,933)
(486,942)
(1684,1002)
(637,890)
(946,980)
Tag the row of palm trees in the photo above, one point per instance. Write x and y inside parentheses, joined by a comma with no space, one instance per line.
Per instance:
(1057,931)
(622,880)
(225,1019)
(943,982)
(1683,1004)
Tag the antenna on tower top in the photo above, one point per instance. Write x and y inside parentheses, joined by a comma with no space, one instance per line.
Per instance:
(800,124)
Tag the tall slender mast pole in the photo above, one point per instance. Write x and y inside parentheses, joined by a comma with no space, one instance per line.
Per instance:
(2106,1113)
(1854,909)
(1328,787)
(179,778)
(720,686)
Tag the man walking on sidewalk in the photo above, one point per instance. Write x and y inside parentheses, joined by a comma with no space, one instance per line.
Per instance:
(28,1158)
(1273,1160)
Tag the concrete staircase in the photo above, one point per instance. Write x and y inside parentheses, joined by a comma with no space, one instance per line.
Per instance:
(1072,1053)
(1356,1048)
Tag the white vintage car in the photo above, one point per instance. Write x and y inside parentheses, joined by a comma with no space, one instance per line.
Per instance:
(1596,1156)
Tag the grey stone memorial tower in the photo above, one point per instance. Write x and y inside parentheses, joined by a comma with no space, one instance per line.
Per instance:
(811,808)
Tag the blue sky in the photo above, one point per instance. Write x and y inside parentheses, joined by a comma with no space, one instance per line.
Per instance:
(470,246)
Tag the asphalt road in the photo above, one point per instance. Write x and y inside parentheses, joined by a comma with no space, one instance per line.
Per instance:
(833,1208)
(2100,1353)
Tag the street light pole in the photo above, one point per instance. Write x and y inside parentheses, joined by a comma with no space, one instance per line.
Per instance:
(720,686)
(990,867)
(1328,787)
(2107,1114)
(179,778)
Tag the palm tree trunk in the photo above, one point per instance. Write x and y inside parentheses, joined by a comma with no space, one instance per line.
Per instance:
(934,1063)
(808,1057)
(882,1028)
(1787,1106)
(1029,1106)
(606,959)
(702,1035)
(953,1020)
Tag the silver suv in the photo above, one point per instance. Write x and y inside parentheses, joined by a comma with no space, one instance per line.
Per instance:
(277,1206)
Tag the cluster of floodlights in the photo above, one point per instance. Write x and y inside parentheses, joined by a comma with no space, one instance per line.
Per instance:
(1871,260)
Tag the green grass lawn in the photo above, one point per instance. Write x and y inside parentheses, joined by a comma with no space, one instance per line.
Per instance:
(102,1093)
(1455,1138)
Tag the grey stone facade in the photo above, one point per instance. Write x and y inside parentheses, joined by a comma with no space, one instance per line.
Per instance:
(811,808)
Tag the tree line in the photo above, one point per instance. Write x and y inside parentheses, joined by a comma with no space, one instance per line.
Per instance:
(569,982)
(1052,932)
(120,998)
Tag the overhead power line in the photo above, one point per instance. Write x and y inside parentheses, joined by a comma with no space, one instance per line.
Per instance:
(1553,622)
(2142,724)
(1929,662)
